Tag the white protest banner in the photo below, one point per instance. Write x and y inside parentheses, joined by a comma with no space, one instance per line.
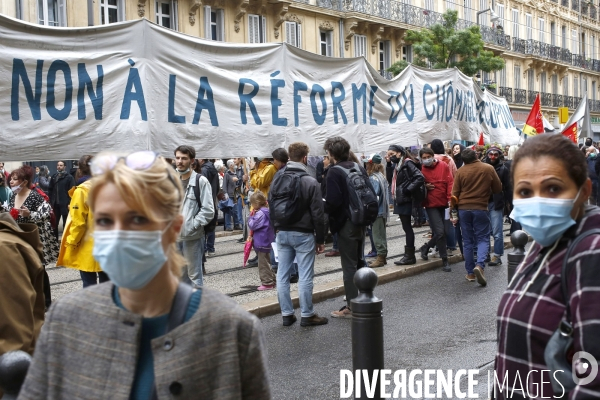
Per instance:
(135,85)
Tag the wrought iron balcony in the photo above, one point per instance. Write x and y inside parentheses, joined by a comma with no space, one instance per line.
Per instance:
(584,8)
(495,36)
(531,95)
(595,105)
(564,3)
(506,92)
(593,12)
(557,100)
(546,99)
(518,45)
(575,5)
(576,101)
(386,74)
(568,101)
(577,60)
(520,96)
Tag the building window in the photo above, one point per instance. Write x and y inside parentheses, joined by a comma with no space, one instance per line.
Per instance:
(594,90)
(564,36)
(166,14)
(111,11)
(450,5)
(429,5)
(257,31)
(543,82)
(407,53)
(500,9)
(503,77)
(584,88)
(528,27)
(360,46)
(575,87)
(542,28)
(515,22)
(19,9)
(593,45)
(517,77)
(574,42)
(468,14)
(385,55)
(554,84)
(51,12)
(214,24)
(530,80)
(552,33)
(326,41)
(565,86)
(483,5)
(293,34)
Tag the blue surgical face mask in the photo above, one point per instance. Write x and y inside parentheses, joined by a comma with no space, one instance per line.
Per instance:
(428,162)
(183,172)
(130,258)
(544,219)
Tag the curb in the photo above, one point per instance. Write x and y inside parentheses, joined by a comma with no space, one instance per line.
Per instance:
(227,233)
(270,306)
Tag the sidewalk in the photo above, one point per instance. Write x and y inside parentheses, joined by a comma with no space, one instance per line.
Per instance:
(270,306)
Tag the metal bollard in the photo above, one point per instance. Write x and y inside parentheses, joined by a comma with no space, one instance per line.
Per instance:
(515,257)
(13,369)
(367,328)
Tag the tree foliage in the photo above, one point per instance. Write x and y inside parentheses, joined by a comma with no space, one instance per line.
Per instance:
(443,46)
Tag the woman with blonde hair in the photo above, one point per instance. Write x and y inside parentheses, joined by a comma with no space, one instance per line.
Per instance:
(77,244)
(144,335)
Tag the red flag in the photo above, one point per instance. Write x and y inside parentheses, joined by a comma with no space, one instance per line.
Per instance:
(571,132)
(481,142)
(535,120)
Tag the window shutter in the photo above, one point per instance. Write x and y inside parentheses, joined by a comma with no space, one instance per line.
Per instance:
(221,25)
(62,13)
(174,16)
(207,29)
(251,28)
(288,32)
(263,30)
(329,37)
(299,35)
(121,10)
(575,45)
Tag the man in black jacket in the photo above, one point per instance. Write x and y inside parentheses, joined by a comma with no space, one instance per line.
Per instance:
(59,187)
(208,170)
(497,203)
(296,240)
(351,238)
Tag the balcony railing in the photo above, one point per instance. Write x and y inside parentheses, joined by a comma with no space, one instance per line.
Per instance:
(520,96)
(577,61)
(595,105)
(506,92)
(495,36)
(593,12)
(564,3)
(557,100)
(518,45)
(576,101)
(546,99)
(386,74)
(568,101)
(584,8)
(575,5)
(531,95)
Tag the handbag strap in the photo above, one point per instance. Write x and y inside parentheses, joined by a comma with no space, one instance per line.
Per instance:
(177,314)
(566,267)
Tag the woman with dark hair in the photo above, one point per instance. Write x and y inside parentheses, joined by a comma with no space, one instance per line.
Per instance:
(77,244)
(406,179)
(44,179)
(558,282)
(456,156)
(28,205)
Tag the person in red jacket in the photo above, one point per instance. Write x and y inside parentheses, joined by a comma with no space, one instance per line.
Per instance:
(438,181)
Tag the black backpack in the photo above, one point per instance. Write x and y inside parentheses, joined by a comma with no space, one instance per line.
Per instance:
(212,225)
(363,205)
(286,205)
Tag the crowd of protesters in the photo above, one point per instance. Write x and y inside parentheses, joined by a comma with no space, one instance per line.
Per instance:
(145,245)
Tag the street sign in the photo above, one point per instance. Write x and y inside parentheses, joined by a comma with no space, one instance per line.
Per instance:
(563,114)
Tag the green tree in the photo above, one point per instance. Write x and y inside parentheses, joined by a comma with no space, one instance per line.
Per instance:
(443,46)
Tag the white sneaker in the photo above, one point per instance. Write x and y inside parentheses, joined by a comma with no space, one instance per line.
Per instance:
(435,254)
(344,298)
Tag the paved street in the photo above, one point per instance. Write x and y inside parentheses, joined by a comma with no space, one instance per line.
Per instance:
(435,320)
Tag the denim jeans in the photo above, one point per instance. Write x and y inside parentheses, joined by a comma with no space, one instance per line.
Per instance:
(335,242)
(301,246)
(496,221)
(192,250)
(450,235)
(228,218)
(475,228)
(210,242)
(93,278)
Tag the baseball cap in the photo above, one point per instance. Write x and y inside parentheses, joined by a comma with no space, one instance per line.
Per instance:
(374,159)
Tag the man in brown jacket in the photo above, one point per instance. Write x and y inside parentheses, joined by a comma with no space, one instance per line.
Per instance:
(21,285)
(473,185)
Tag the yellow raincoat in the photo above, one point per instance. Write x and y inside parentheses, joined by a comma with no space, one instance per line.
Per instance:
(261,178)
(77,243)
